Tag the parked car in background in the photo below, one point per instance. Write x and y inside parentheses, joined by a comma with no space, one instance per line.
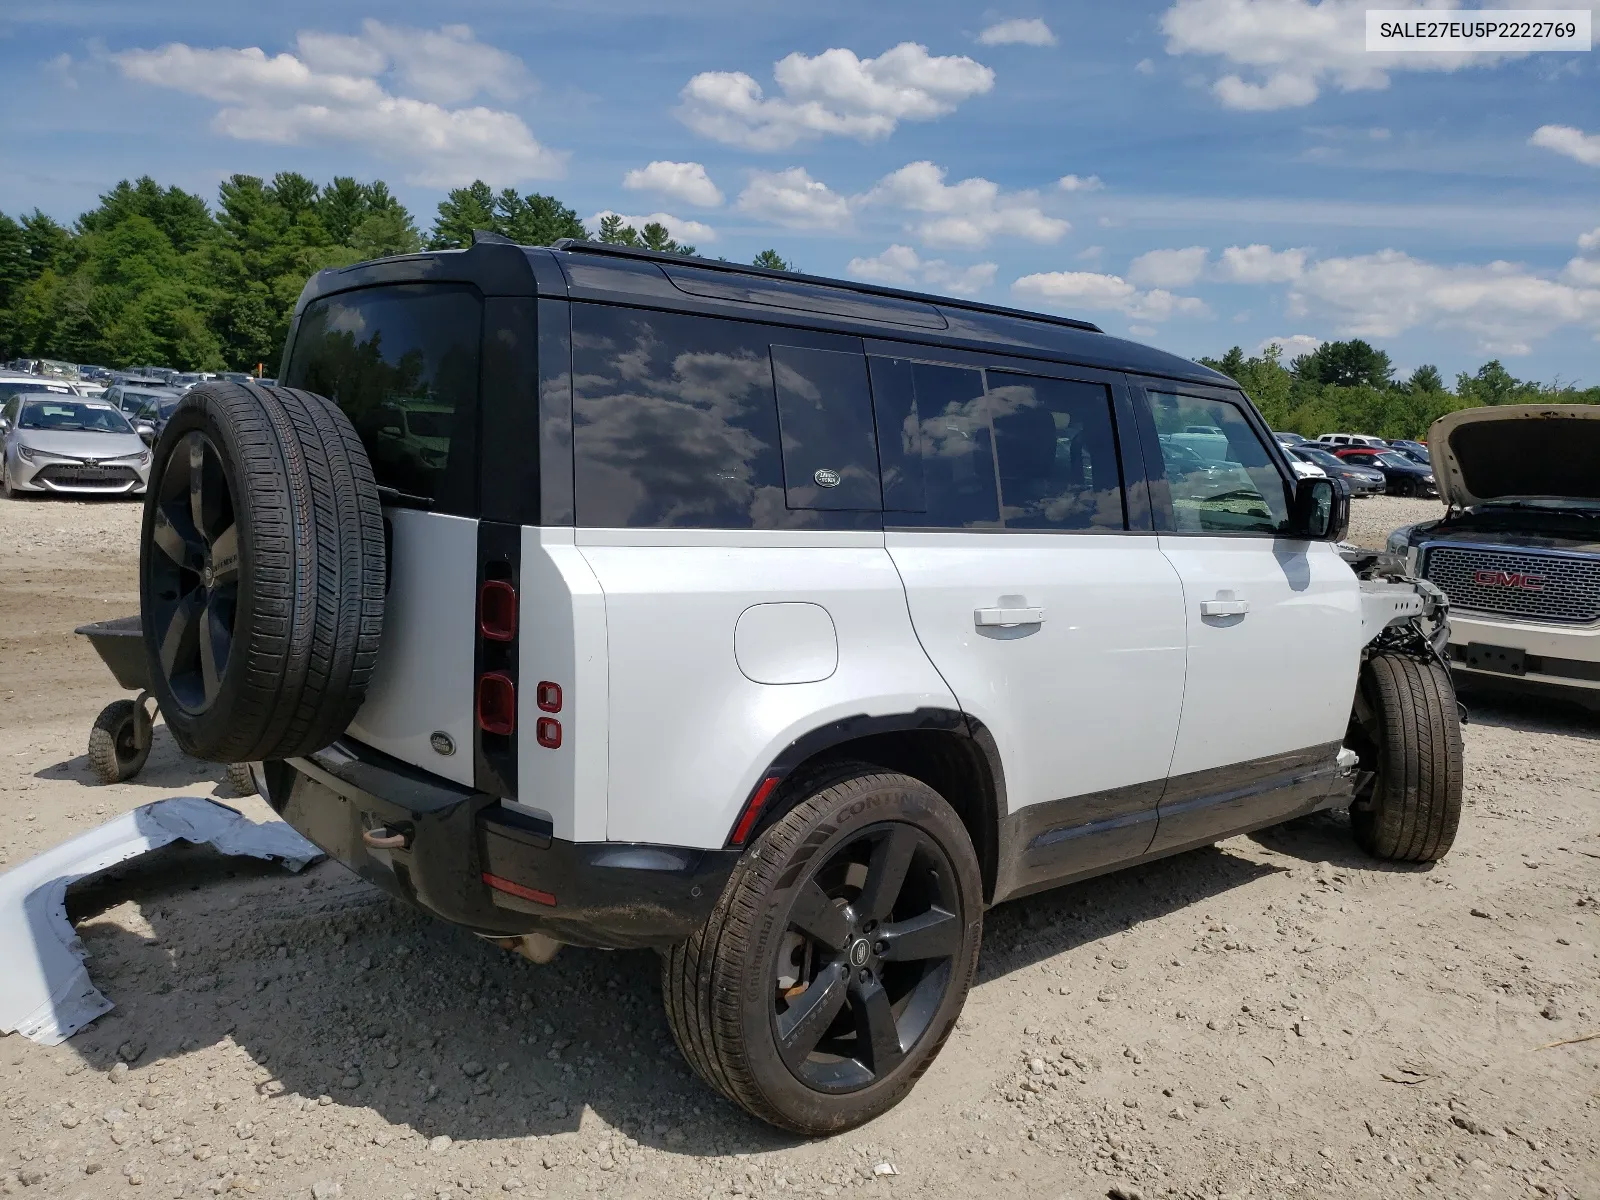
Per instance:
(236,376)
(1518,551)
(1362,481)
(1415,451)
(1402,476)
(149,408)
(1290,439)
(55,443)
(1353,439)
(14,383)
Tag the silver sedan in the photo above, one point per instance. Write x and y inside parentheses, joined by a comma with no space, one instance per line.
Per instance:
(73,446)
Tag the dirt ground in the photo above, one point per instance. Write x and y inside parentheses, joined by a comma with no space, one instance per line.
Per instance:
(1273,1016)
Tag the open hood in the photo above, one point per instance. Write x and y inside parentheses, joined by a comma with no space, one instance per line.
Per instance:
(1517,451)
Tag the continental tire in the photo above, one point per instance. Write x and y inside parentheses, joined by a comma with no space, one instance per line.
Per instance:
(261,572)
(1409,731)
(838,957)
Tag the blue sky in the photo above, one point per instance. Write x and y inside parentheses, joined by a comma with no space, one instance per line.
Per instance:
(1194,173)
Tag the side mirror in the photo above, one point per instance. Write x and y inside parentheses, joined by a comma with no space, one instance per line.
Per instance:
(1321,510)
(144,429)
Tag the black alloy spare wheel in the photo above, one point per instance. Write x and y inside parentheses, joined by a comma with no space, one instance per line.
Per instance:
(261,572)
(838,957)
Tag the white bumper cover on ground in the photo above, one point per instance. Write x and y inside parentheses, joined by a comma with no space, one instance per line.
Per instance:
(45,993)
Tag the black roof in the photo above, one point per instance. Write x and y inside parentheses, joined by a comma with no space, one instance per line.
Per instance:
(582,270)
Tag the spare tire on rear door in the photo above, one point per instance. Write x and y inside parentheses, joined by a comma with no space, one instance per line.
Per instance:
(261,572)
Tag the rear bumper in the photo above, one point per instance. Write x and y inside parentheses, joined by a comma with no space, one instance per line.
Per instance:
(606,894)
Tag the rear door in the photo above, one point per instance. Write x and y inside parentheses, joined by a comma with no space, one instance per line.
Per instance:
(1273,623)
(375,351)
(1056,625)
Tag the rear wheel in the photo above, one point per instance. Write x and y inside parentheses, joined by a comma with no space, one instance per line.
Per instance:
(239,780)
(838,958)
(1407,730)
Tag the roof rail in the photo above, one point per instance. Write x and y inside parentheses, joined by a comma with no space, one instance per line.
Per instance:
(581,246)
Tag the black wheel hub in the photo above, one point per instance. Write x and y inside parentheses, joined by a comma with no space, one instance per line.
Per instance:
(867,959)
(194,572)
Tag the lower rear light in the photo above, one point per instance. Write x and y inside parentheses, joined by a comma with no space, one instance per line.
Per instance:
(516,889)
(752,810)
(548,733)
(497,703)
(548,696)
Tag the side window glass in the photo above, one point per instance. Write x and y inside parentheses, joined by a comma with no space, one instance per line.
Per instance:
(1057,452)
(894,407)
(956,449)
(674,423)
(830,453)
(1223,479)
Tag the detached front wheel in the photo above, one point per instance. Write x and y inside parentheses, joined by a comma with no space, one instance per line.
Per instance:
(1407,730)
(838,958)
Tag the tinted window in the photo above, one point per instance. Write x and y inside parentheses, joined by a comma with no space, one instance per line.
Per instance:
(943,432)
(11,387)
(1224,480)
(1057,453)
(402,361)
(894,406)
(830,454)
(674,423)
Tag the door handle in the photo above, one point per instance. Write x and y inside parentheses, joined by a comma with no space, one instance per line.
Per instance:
(1007,616)
(1224,608)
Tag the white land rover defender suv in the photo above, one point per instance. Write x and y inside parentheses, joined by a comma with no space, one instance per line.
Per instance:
(1518,551)
(587,595)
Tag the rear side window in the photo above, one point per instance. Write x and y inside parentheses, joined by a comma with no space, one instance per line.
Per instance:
(1221,476)
(402,361)
(1057,450)
(936,445)
(675,424)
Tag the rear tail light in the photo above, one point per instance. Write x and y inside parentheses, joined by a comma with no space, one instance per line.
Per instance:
(497,610)
(517,889)
(497,703)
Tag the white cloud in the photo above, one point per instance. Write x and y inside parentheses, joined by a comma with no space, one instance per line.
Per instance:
(1292,346)
(1079,183)
(1385,294)
(1574,143)
(681,229)
(1585,272)
(968,213)
(1259,264)
(1168,268)
(1145,66)
(1293,48)
(901,266)
(1022,31)
(1091,290)
(832,93)
(331,93)
(1590,240)
(686,181)
(795,199)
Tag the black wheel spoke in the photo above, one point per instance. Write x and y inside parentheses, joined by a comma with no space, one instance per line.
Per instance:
(210,659)
(877,1037)
(225,557)
(886,873)
(810,1013)
(934,934)
(816,915)
(171,542)
(197,466)
(179,642)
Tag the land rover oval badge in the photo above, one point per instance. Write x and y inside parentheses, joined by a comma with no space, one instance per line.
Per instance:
(826,477)
(442,742)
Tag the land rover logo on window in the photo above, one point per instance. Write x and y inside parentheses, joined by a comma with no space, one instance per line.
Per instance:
(827,477)
(442,742)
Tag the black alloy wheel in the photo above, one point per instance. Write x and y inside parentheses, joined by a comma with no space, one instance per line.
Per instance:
(867,959)
(194,572)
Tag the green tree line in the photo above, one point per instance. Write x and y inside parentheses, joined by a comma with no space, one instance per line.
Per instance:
(156,276)
(1350,387)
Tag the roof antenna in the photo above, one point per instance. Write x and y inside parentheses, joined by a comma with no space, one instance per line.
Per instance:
(487,236)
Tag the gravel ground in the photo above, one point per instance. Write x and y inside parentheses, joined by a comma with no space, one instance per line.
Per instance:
(1274,1016)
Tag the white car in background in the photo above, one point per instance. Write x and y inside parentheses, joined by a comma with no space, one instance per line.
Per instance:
(69,444)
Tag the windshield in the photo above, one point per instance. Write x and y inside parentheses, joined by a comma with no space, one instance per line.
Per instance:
(13,387)
(67,415)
